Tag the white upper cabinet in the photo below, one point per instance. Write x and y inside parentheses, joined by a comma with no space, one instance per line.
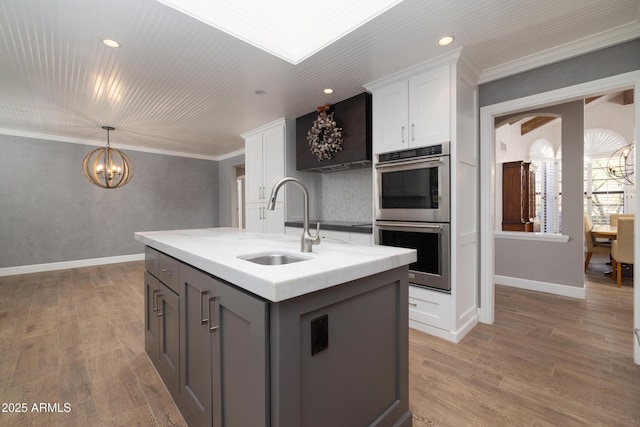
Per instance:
(273,146)
(429,108)
(264,166)
(412,112)
(390,119)
(253,158)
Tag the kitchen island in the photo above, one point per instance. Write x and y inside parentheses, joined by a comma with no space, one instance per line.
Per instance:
(320,340)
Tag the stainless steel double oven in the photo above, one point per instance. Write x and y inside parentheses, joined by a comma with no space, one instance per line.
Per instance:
(412,207)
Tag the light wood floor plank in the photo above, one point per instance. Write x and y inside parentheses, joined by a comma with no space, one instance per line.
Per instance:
(77,336)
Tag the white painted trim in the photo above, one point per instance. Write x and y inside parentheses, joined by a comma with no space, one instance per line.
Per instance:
(71,140)
(431,330)
(466,328)
(230,155)
(536,237)
(579,47)
(453,336)
(280,121)
(64,265)
(487,178)
(636,243)
(535,285)
(437,62)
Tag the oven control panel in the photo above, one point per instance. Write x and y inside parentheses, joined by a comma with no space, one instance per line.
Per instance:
(431,150)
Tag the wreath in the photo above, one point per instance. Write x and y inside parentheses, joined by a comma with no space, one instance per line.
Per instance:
(325,137)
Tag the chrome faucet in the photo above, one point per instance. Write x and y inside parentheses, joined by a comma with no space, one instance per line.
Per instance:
(307,240)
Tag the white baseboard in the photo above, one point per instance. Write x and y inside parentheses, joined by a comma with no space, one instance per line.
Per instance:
(453,336)
(37,268)
(534,285)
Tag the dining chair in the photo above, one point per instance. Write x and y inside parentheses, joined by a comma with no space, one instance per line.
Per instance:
(622,248)
(613,218)
(592,244)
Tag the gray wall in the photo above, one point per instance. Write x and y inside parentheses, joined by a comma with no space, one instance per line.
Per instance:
(608,62)
(49,212)
(555,262)
(227,184)
(563,266)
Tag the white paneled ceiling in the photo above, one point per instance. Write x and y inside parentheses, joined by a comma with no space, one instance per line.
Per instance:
(180,85)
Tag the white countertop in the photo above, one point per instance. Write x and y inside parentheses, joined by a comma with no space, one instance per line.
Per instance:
(216,251)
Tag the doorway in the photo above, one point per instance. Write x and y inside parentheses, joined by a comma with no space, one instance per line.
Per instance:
(488,171)
(238,215)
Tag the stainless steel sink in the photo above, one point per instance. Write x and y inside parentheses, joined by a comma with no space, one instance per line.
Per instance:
(272,258)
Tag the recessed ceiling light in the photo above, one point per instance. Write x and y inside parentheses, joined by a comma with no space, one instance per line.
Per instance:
(445,40)
(110,43)
(328,90)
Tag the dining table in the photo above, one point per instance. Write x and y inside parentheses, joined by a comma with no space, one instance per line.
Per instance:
(605,231)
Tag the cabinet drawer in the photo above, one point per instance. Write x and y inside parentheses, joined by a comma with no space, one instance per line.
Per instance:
(429,307)
(169,272)
(151,260)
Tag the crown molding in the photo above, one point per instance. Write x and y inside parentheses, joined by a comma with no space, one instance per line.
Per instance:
(437,62)
(582,46)
(71,140)
(230,155)
(277,122)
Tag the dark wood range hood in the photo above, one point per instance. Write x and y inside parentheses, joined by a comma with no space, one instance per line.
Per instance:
(353,115)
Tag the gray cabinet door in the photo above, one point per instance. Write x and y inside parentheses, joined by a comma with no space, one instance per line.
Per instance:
(169,355)
(240,357)
(151,321)
(195,371)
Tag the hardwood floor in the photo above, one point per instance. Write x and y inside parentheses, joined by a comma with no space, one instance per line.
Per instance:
(77,337)
(546,361)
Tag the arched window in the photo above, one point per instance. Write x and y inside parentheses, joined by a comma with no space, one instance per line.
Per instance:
(548,184)
(603,194)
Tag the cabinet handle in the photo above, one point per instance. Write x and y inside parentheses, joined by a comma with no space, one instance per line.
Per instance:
(413,132)
(211,328)
(202,318)
(159,312)
(168,271)
(413,304)
(154,302)
(402,134)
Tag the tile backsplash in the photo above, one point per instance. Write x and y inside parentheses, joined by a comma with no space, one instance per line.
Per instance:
(346,196)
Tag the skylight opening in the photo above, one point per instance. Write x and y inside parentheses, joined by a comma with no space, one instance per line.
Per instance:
(289,29)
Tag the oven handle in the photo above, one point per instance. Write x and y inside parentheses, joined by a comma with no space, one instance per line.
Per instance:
(408,224)
(395,163)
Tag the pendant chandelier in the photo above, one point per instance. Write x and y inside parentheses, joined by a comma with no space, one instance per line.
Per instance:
(107,167)
(621,164)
